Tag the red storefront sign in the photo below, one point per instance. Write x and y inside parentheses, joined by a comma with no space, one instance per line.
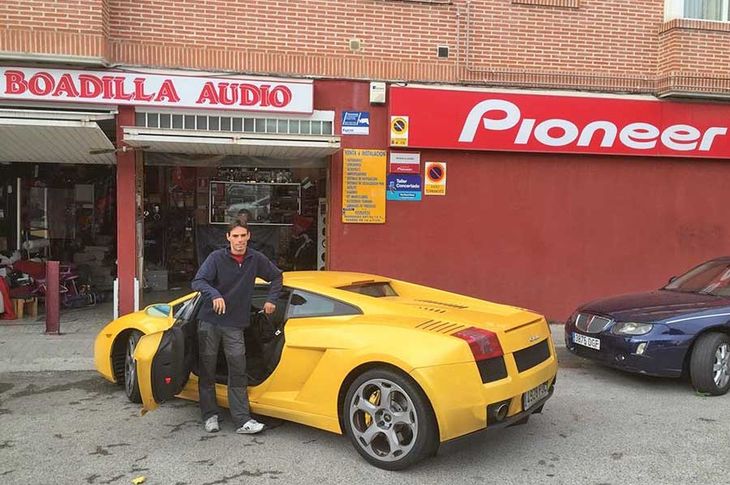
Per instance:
(118,87)
(484,120)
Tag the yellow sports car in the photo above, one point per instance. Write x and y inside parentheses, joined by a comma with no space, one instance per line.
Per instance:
(401,368)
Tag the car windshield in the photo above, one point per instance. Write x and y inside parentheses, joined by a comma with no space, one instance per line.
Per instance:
(711,278)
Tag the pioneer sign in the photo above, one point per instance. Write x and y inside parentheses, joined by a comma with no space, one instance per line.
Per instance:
(508,121)
(134,88)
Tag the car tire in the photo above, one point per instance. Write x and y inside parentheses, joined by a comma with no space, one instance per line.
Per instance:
(131,384)
(709,365)
(395,434)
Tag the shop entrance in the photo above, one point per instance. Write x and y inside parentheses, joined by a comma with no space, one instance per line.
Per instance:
(187,210)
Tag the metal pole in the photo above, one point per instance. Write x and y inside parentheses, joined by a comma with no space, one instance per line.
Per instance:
(53,298)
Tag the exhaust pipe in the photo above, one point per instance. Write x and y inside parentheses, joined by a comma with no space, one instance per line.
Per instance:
(501,412)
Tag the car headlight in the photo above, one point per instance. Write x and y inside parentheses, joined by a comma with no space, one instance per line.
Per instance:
(631,328)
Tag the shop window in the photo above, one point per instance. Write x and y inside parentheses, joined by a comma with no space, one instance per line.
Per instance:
(153,120)
(316,127)
(214,123)
(238,124)
(177,122)
(717,10)
(270,126)
(294,127)
(305,127)
(165,120)
(189,122)
(327,128)
(140,119)
(225,124)
(283,126)
(260,125)
(202,122)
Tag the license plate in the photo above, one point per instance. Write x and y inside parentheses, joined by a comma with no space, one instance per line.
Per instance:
(586,341)
(534,395)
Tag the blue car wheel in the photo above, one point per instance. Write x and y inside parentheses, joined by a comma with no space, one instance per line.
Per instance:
(710,364)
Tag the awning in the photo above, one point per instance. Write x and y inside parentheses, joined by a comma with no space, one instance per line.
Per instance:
(200,142)
(54,136)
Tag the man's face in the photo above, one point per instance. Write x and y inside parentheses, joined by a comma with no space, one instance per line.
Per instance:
(238,238)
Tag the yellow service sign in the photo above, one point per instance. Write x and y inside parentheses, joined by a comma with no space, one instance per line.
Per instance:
(399,131)
(363,186)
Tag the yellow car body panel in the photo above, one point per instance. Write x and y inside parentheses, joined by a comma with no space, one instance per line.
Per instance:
(412,332)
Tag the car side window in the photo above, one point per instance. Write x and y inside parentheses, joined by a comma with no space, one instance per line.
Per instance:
(187,310)
(306,304)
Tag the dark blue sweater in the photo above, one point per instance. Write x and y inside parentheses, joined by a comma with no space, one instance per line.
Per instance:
(221,276)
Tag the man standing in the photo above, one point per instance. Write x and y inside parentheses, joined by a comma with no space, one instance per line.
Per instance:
(226,279)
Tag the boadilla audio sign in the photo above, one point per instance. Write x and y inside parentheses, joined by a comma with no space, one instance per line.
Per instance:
(134,88)
(508,121)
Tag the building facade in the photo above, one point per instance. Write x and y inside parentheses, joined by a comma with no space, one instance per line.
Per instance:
(540,225)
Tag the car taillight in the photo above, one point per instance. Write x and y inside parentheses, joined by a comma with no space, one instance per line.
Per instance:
(483,343)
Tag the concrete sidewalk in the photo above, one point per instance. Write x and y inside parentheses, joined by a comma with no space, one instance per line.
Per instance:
(25,348)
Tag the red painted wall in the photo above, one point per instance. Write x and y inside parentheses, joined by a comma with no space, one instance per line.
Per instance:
(545,232)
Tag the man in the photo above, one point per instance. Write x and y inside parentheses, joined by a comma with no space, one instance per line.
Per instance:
(226,279)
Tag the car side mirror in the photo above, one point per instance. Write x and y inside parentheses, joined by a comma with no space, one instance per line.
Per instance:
(297,300)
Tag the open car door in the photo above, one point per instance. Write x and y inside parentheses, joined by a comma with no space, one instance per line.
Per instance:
(165,359)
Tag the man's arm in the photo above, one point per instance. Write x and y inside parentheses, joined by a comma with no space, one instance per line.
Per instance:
(205,278)
(269,272)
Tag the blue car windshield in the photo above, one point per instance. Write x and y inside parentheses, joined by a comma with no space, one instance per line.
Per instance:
(711,278)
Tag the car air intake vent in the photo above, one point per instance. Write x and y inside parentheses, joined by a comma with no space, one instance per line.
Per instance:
(591,323)
(440,303)
(440,326)
(532,356)
(432,309)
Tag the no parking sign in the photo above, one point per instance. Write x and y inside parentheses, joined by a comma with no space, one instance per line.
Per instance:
(435,178)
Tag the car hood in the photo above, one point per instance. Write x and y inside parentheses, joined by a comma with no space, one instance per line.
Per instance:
(654,306)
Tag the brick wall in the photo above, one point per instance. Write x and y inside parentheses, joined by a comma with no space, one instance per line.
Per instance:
(614,45)
(53,27)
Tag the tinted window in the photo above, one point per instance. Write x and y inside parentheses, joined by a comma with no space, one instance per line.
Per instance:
(711,278)
(305,304)
(376,290)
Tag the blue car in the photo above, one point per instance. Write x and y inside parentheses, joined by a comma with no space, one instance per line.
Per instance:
(681,328)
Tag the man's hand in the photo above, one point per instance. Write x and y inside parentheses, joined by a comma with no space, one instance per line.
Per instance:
(219,306)
(269,308)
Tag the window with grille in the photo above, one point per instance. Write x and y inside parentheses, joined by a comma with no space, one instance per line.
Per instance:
(320,123)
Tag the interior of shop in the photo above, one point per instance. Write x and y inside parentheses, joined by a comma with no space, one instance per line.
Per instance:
(187,211)
(67,213)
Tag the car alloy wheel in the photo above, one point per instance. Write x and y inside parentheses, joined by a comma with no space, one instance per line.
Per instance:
(709,364)
(131,384)
(721,367)
(389,420)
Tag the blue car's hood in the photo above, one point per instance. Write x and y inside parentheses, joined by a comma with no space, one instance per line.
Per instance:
(654,306)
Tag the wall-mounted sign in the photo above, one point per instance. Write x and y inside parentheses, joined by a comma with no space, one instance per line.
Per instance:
(363,186)
(399,131)
(513,121)
(434,174)
(142,89)
(404,187)
(355,123)
(405,162)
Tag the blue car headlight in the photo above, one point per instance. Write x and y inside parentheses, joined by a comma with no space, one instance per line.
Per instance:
(631,328)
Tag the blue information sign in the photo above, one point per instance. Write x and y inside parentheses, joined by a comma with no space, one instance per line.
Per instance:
(355,123)
(403,187)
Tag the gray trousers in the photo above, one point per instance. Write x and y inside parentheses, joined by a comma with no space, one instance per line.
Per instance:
(210,336)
